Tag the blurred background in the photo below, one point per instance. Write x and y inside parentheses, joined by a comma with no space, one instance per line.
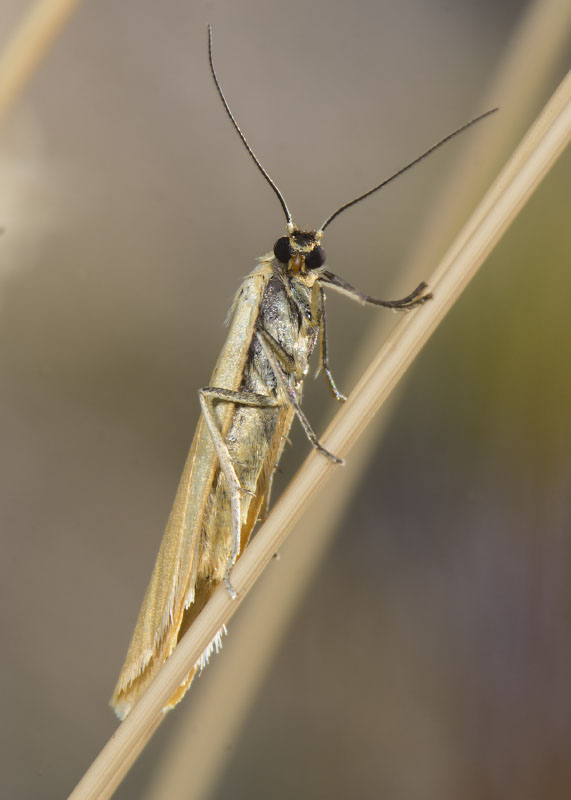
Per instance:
(431,656)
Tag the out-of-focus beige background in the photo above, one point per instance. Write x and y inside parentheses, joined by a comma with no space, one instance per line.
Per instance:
(432,656)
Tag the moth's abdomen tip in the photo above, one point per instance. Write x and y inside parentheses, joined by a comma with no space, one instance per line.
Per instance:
(120,707)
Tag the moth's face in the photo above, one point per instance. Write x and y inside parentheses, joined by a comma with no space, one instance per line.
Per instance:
(300,251)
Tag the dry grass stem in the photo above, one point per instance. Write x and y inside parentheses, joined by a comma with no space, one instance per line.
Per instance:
(28,45)
(532,160)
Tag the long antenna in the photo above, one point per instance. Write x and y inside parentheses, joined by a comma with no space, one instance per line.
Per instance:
(242,137)
(430,150)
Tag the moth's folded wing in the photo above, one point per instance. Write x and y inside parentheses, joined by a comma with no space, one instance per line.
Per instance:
(171,587)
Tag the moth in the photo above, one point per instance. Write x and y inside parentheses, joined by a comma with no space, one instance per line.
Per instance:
(276,321)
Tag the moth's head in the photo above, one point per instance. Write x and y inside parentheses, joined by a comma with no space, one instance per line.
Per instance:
(300,251)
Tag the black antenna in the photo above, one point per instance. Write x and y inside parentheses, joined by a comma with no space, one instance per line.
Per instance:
(430,150)
(242,137)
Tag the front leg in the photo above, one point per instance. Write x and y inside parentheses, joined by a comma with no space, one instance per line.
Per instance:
(416,298)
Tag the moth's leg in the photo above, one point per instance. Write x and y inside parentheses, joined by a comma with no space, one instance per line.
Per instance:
(274,353)
(265,508)
(285,283)
(240,398)
(207,395)
(416,298)
(323,354)
(308,313)
(287,363)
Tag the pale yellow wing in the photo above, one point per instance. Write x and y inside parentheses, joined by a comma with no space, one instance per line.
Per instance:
(171,589)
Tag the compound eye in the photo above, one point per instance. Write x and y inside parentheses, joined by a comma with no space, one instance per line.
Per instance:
(282,250)
(316,258)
